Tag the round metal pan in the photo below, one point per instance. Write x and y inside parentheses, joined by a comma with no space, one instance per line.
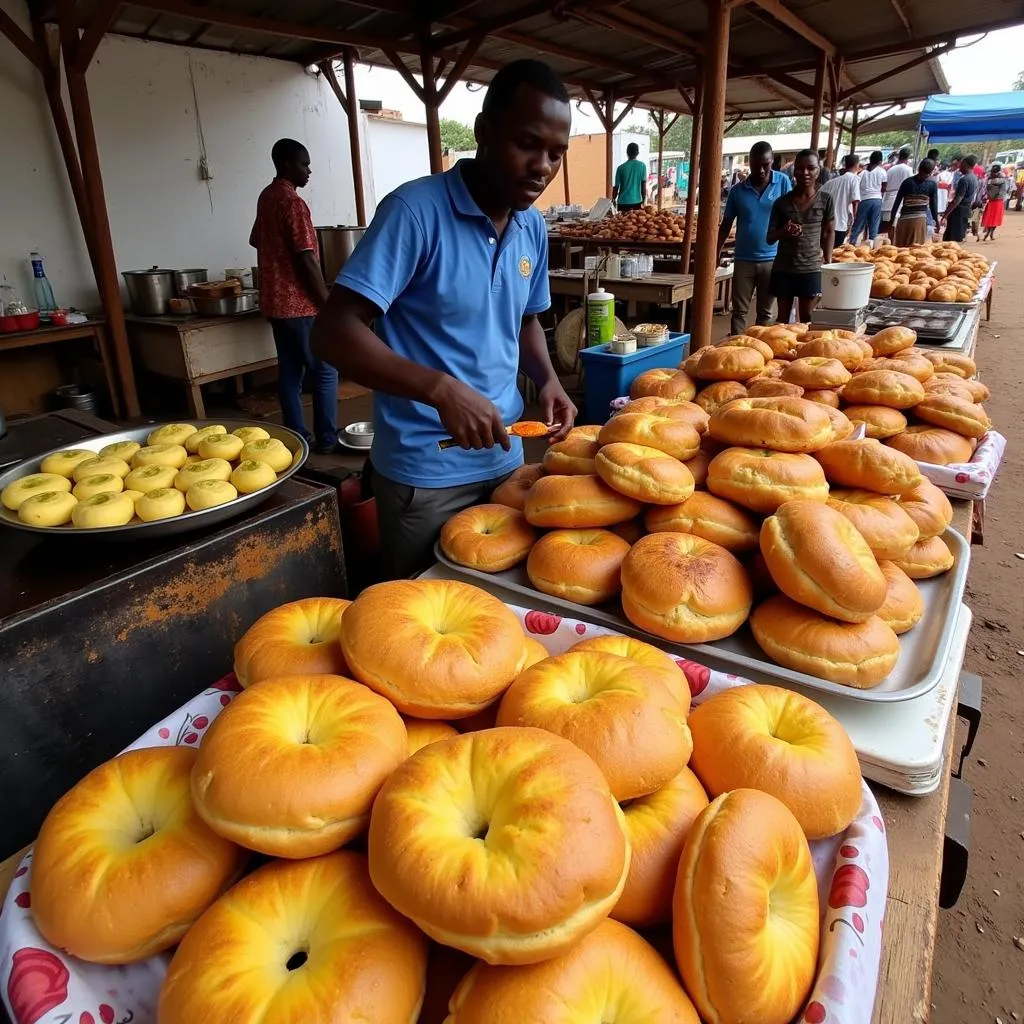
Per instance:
(188,520)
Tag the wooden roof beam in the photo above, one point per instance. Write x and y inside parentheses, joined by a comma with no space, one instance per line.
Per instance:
(785,16)
(898,70)
(489,26)
(21,41)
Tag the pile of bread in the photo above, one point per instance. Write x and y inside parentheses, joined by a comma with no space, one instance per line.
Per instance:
(531,811)
(933,272)
(180,467)
(644,225)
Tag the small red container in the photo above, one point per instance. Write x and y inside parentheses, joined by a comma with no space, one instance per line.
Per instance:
(59,318)
(8,324)
(28,321)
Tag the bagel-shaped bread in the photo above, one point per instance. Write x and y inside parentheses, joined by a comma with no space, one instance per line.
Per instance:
(48,508)
(879,421)
(747,341)
(290,768)
(828,397)
(506,844)
(63,463)
(128,822)
(816,372)
(858,654)
(782,743)
(817,557)
(869,465)
(618,711)
(845,350)
(976,391)
(707,516)
(842,428)
(611,975)
(298,638)
(885,526)
(173,455)
(688,412)
(729,363)
(915,364)
(781,424)
(684,588)
(572,457)
(929,508)
(193,441)
(745,911)
(669,430)
(714,396)
(434,648)
(643,473)
(512,490)
(307,940)
(577,502)
(927,558)
(766,387)
(647,655)
(535,652)
(270,450)
(949,385)
(935,445)
(663,383)
(100,466)
(689,364)
(891,340)
(884,387)
(490,538)
(761,480)
(903,606)
(698,467)
(965,418)
(782,340)
(581,566)
(951,362)
(35,483)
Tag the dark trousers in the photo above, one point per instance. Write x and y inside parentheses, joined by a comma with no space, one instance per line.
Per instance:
(294,360)
(840,238)
(957,224)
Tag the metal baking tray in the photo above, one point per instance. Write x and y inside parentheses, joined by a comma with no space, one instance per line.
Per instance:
(929,322)
(188,520)
(923,651)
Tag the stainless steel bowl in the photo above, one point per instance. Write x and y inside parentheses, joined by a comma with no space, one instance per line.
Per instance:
(187,521)
(226,306)
(359,435)
(184,279)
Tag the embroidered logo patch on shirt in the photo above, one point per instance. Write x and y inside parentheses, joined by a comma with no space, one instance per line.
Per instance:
(525,266)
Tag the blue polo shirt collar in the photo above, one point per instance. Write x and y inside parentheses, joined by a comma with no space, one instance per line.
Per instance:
(465,204)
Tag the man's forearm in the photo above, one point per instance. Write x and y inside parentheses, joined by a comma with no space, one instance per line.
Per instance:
(312,279)
(534,359)
(828,241)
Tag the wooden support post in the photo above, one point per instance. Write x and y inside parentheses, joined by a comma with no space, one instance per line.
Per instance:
(835,71)
(609,140)
(565,176)
(716,64)
(691,182)
(431,101)
(659,118)
(820,77)
(853,131)
(353,136)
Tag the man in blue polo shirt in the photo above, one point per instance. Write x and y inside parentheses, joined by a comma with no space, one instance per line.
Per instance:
(453,271)
(749,205)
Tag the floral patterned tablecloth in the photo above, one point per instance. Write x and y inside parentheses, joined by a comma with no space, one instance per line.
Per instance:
(970,479)
(40,985)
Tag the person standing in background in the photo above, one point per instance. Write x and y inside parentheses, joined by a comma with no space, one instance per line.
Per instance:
(869,214)
(844,189)
(958,212)
(894,177)
(918,198)
(292,292)
(944,184)
(630,188)
(749,206)
(997,191)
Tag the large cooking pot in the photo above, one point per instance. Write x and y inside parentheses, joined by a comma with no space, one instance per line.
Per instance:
(184,279)
(149,291)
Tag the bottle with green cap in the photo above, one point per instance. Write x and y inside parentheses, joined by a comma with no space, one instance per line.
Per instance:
(600,317)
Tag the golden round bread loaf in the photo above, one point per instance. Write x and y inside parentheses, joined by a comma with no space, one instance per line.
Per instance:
(927,558)
(490,538)
(270,450)
(891,340)
(192,441)
(884,387)
(48,508)
(714,396)
(434,648)
(209,493)
(611,975)
(150,478)
(929,508)
(781,424)
(782,743)
(951,362)
(688,412)
(976,391)
(578,565)
(762,480)
(202,469)
(842,428)
(879,421)
(846,350)
(35,483)
(643,473)
(658,825)
(162,503)
(298,638)
(123,450)
(506,844)
(903,606)
(651,657)
(698,467)
(935,445)
(421,732)
(869,465)
(663,383)
(667,428)
(817,557)
(577,502)
(828,397)
(128,822)
(227,447)
(63,463)
(816,372)
(782,339)
(965,418)
(87,486)
(859,654)
(616,710)
(747,341)
(745,911)
(512,490)
(689,364)
(170,433)
(705,515)
(915,364)
(100,466)
(572,457)
(248,434)
(307,940)
(172,455)
(108,508)
(768,387)
(684,588)
(535,652)
(881,521)
(949,384)
(290,768)
(729,363)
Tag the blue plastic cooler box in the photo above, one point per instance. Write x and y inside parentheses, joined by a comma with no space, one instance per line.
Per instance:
(608,376)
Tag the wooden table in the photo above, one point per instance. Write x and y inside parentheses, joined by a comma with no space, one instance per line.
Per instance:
(659,289)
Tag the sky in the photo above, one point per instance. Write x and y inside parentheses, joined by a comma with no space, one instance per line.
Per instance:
(989,65)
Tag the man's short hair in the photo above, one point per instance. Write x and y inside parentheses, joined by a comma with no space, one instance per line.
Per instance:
(759,150)
(968,161)
(534,73)
(285,150)
(850,161)
(926,166)
(804,154)
(632,150)
(933,155)
(905,153)
(876,157)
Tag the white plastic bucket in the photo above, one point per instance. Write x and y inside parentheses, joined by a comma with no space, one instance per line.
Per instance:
(846,285)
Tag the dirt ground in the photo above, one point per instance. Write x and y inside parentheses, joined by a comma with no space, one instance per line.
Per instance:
(979,968)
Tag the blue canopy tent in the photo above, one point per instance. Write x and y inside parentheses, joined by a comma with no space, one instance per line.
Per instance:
(984,118)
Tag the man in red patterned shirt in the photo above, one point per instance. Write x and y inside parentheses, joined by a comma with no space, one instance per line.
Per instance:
(292,292)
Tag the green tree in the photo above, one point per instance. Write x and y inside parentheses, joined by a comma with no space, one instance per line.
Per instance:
(456,136)
(1018,82)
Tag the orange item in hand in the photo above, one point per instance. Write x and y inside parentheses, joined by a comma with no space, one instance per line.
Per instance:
(529,428)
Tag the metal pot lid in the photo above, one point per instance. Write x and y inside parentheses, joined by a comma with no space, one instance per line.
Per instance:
(152,270)
(191,270)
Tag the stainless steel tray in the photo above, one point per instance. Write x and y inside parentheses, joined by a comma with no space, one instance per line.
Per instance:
(187,521)
(923,651)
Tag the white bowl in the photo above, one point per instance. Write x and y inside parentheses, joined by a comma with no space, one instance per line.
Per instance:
(359,435)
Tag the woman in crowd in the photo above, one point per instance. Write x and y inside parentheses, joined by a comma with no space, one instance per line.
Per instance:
(997,191)
(916,199)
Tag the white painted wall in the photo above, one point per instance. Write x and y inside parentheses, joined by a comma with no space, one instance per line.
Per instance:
(148,134)
(396,152)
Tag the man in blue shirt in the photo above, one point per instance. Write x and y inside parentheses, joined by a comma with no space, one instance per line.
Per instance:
(453,271)
(749,206)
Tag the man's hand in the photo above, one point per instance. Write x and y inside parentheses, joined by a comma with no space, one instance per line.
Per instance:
(469,417)
(556,407)
(792,229)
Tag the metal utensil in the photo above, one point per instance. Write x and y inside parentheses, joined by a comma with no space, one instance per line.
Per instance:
(227,305)
(149,291)
(184,279)
(522,428)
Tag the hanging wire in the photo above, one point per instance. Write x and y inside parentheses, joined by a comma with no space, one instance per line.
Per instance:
(203,160)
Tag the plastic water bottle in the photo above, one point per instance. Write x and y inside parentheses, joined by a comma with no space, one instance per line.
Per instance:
(41,286)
